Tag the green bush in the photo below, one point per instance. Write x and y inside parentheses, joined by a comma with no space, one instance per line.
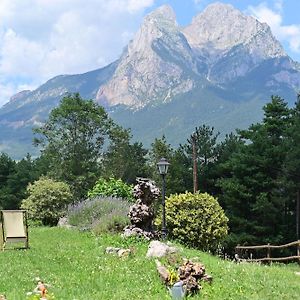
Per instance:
(196,220)
(100,214)
(112,187)
(47,200)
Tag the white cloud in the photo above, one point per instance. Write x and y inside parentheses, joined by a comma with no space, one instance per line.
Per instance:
(273,17)
(43,38)
(278,4)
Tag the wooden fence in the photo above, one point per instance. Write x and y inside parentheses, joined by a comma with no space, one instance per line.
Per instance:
(240,249)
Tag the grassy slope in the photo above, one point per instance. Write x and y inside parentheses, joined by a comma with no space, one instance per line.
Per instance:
(75,265)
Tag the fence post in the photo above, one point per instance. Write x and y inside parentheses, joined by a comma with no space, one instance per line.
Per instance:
(268,252)
(298,251)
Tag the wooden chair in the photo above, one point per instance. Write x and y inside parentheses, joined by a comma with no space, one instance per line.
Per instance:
(14,227)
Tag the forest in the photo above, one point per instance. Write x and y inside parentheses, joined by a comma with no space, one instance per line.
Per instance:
(254,173)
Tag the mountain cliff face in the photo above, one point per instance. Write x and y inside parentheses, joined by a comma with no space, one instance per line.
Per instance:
(218,70)
(157,64)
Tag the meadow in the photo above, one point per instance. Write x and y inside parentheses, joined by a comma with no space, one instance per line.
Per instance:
(76,266)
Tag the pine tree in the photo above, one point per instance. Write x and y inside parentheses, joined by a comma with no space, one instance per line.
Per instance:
(253,195)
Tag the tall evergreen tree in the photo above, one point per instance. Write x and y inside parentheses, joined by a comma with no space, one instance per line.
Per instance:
(252,196)
(207,150)
(123,159)
(292,174)
(7,168)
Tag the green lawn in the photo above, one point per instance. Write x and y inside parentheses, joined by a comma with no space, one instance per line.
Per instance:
(76,267)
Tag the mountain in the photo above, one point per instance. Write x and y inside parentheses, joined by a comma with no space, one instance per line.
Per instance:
(219,70)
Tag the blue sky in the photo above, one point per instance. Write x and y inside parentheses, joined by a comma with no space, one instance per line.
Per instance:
(40,39)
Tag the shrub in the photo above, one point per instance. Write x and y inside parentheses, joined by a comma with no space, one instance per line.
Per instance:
(47,200)
(112,187)
(196,220)
(100,214)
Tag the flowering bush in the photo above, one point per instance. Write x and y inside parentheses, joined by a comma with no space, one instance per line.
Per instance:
(100,214)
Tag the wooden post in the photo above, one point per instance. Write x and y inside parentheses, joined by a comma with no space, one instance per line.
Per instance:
(298,215)
(298,251)
(268,252)
(195,171)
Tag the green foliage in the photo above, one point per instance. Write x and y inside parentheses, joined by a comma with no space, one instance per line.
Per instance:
(207,151)
(123,159)
(111,223)
(254,192)
(112,187)
(100,214)
(179,178)
(14,178)
(47,200)
(196,220)
(72,140)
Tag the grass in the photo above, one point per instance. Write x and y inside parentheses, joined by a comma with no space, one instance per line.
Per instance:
(76,267)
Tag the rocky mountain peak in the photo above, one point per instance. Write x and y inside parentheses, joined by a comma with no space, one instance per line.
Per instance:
(164,13)
(155,24)
(158,53)
(222,27)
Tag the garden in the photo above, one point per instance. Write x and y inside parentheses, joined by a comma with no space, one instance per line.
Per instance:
(93,211)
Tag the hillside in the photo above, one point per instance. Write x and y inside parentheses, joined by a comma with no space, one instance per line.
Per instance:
(75,266)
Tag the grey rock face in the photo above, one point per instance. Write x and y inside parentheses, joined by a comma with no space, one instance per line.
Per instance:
(222,27)
(231,43)
(164,60)
(154,67)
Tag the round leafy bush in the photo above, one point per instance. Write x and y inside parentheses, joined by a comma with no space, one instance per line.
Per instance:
(47,200)
(112,187)
(196,220)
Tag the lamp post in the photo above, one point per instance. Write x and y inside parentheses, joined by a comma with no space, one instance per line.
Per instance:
(163,166)
(195,171)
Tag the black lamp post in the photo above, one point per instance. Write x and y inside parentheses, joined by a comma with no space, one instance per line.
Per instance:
(163,166)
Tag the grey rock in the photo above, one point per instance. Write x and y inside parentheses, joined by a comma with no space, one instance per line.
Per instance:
(141,213)
(112,250)
(159,249)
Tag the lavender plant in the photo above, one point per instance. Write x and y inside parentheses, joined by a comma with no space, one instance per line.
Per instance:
(100,214)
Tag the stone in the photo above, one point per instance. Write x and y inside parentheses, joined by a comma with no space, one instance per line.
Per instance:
(163,272)
(63,222)
(112,250)
(159,249)
(141,213)
(124,252)
(207,278)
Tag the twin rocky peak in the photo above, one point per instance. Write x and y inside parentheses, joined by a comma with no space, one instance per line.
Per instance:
(220,45)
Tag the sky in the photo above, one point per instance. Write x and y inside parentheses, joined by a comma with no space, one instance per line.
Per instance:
(40,39)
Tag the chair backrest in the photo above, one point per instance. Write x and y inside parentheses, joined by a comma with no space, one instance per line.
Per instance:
(13,223)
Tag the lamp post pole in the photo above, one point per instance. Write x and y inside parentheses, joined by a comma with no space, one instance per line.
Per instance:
(195,171)
(163,166)
(164,228)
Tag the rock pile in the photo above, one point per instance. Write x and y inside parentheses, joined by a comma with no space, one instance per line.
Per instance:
(141,213)
(189,275)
